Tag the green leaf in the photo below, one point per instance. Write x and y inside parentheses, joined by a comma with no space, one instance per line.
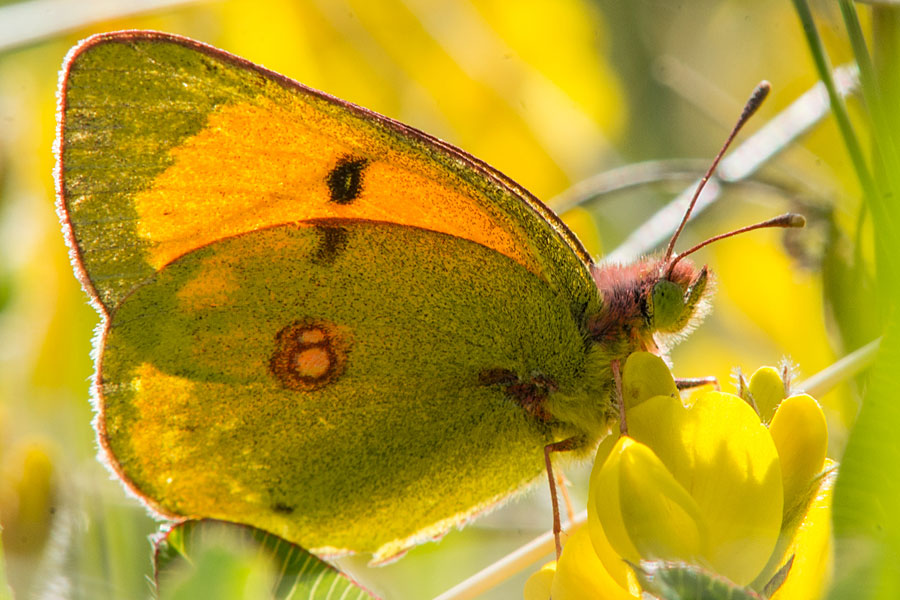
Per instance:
(216,559)
(867,492)
(866,522)
(778,578)
(668,580)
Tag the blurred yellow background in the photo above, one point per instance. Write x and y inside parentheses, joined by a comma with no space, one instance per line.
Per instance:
(548,92)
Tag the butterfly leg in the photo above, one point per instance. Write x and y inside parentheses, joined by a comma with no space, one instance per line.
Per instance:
(560,446)
(695,382)
(531,396)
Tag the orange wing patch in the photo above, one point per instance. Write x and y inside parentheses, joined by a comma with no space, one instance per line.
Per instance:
(260,164)
(213,286)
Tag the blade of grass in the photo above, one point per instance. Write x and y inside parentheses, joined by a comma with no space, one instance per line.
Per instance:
(886,46)
(842,370)
(871,90)
(866,524)
(874,197)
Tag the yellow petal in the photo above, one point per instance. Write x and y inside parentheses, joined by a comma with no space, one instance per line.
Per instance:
(646,375)
(650,516)
(537,587)
(604,450)
(767,389)
(812,550)
(801,437)
(662,519)
(581,575)
(723,456)
(603,502)
(617,568)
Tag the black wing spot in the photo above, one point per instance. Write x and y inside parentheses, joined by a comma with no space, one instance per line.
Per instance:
(282,508)
(345,179)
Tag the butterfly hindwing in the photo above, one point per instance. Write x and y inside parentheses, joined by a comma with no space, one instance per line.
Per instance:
(326,381)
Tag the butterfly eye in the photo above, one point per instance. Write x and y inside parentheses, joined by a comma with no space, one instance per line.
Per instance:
(668,304)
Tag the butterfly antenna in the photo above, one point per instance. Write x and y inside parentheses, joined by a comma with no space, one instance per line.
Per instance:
(785,221)
(756,99)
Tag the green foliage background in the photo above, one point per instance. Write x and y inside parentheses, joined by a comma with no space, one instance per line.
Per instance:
(550,93)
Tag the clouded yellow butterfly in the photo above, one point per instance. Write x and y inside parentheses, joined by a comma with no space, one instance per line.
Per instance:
(317,320)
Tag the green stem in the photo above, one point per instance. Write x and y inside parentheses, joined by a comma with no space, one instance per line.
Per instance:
(886,50)
(885,147)
(871,190)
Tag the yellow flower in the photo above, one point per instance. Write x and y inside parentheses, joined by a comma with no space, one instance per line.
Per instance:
(579,574)
(706,489)
(27,497)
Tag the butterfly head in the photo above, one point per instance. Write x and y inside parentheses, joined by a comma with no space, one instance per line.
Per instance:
(655,301)
(646,306)
(675,298)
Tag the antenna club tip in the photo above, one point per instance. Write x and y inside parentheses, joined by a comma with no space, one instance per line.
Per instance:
(756,99)
(795,220)
(787,220)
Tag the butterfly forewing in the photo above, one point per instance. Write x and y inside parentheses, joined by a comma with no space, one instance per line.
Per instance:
(167,145)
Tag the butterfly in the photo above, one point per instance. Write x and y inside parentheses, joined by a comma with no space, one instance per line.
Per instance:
(322,322)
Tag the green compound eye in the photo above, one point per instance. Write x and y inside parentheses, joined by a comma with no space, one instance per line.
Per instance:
(668,304)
